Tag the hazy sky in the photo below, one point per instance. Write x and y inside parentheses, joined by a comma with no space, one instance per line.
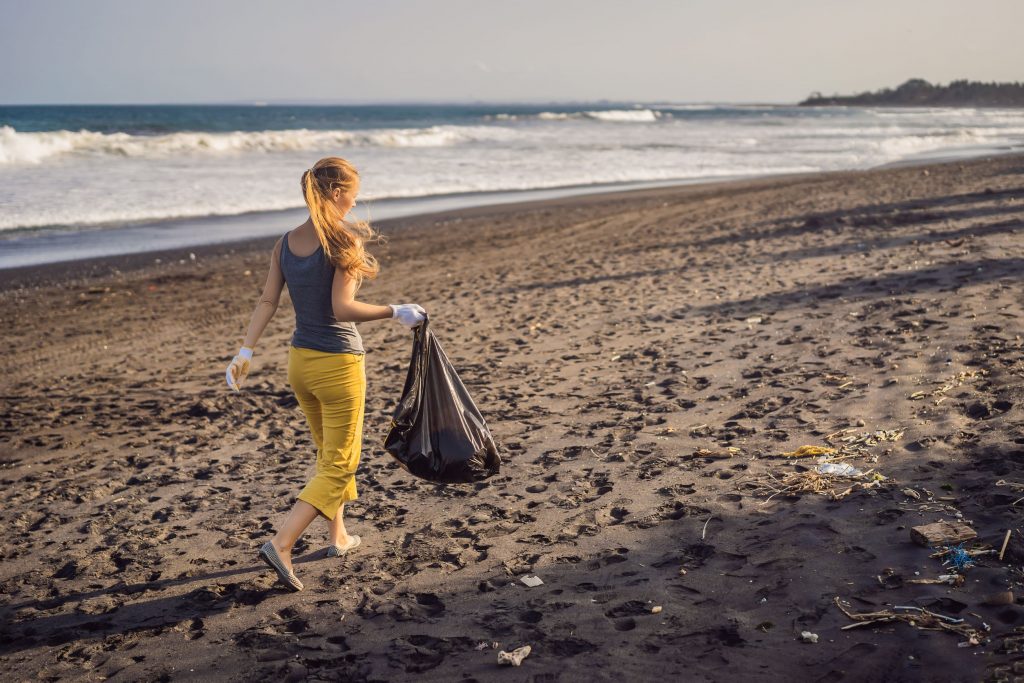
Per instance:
(100,51)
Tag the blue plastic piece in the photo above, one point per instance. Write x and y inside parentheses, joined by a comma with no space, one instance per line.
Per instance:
(957,558)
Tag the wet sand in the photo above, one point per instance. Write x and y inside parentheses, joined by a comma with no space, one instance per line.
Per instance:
(642,358)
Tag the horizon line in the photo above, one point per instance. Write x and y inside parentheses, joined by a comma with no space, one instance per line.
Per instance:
(369,103)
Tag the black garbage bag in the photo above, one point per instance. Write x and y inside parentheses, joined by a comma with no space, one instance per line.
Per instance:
(437,433)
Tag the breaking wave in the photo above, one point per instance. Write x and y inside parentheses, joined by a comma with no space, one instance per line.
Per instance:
(32,148)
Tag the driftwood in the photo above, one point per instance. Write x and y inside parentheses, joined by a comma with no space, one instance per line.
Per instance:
(941,533)
(915,616)
(1013,551)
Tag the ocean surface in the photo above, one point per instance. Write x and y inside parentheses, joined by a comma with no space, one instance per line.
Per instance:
(79,181)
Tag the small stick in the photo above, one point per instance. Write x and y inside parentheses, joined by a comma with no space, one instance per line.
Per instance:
(841,431)
(706,527)
(1006,540)
(858,624)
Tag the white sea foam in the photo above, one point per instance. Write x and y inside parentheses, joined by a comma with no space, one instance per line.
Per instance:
(33,148)
(555,116)
(612,115)
(624,115)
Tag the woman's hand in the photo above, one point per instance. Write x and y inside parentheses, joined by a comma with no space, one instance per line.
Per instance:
(239,368)
(409,315)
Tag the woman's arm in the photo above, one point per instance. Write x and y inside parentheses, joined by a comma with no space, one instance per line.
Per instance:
(269,300)
(346,308)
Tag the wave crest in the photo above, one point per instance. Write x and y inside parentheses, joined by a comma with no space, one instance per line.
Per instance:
(33,148)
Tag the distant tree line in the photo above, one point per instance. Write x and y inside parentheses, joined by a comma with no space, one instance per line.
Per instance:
(918,92)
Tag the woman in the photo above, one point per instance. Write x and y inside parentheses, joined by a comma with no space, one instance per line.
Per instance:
(323,261)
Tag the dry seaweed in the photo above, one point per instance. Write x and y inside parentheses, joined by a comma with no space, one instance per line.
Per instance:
(836,487)
(809,452)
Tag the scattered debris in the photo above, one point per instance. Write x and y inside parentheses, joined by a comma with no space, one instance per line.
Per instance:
(941,533)
(963,555)
(917,617)
(656,609)
(532,582)
(808,637)
(831,476)
(955,381)
(857,445)
(516,657)
(911,493)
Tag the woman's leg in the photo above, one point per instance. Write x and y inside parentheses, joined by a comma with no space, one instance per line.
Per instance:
(298,519)
(302,513)
(338,535)
(341,392)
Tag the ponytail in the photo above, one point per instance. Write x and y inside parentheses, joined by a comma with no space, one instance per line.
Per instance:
(343,241)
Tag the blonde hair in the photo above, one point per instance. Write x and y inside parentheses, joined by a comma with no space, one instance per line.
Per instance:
(343,240)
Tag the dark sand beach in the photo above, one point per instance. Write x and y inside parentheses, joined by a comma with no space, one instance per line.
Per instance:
(643,359)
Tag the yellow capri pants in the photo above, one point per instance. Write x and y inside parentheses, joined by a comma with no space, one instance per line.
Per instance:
(331,390)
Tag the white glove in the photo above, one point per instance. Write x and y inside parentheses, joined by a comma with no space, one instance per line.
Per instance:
(409,315)
(239,368)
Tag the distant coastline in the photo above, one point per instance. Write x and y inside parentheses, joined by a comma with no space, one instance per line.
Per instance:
(918,92)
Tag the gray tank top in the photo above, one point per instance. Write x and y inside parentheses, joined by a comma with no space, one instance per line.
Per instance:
(310,279)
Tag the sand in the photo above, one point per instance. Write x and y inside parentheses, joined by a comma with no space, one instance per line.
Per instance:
(619,346)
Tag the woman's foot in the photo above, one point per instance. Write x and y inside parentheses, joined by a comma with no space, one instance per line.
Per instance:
(337,549)
(268,553)
(343,538)
(285,555)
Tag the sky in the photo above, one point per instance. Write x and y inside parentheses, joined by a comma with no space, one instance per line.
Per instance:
(199,51)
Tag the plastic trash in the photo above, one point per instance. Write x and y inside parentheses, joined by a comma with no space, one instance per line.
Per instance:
(841,469)
(532,581)
(958,558)
(437,432)
(514,658)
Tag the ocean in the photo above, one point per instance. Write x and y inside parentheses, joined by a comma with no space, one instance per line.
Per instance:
(78,181)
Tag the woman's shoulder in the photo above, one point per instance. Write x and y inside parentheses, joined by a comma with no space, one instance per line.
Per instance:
(276,252)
